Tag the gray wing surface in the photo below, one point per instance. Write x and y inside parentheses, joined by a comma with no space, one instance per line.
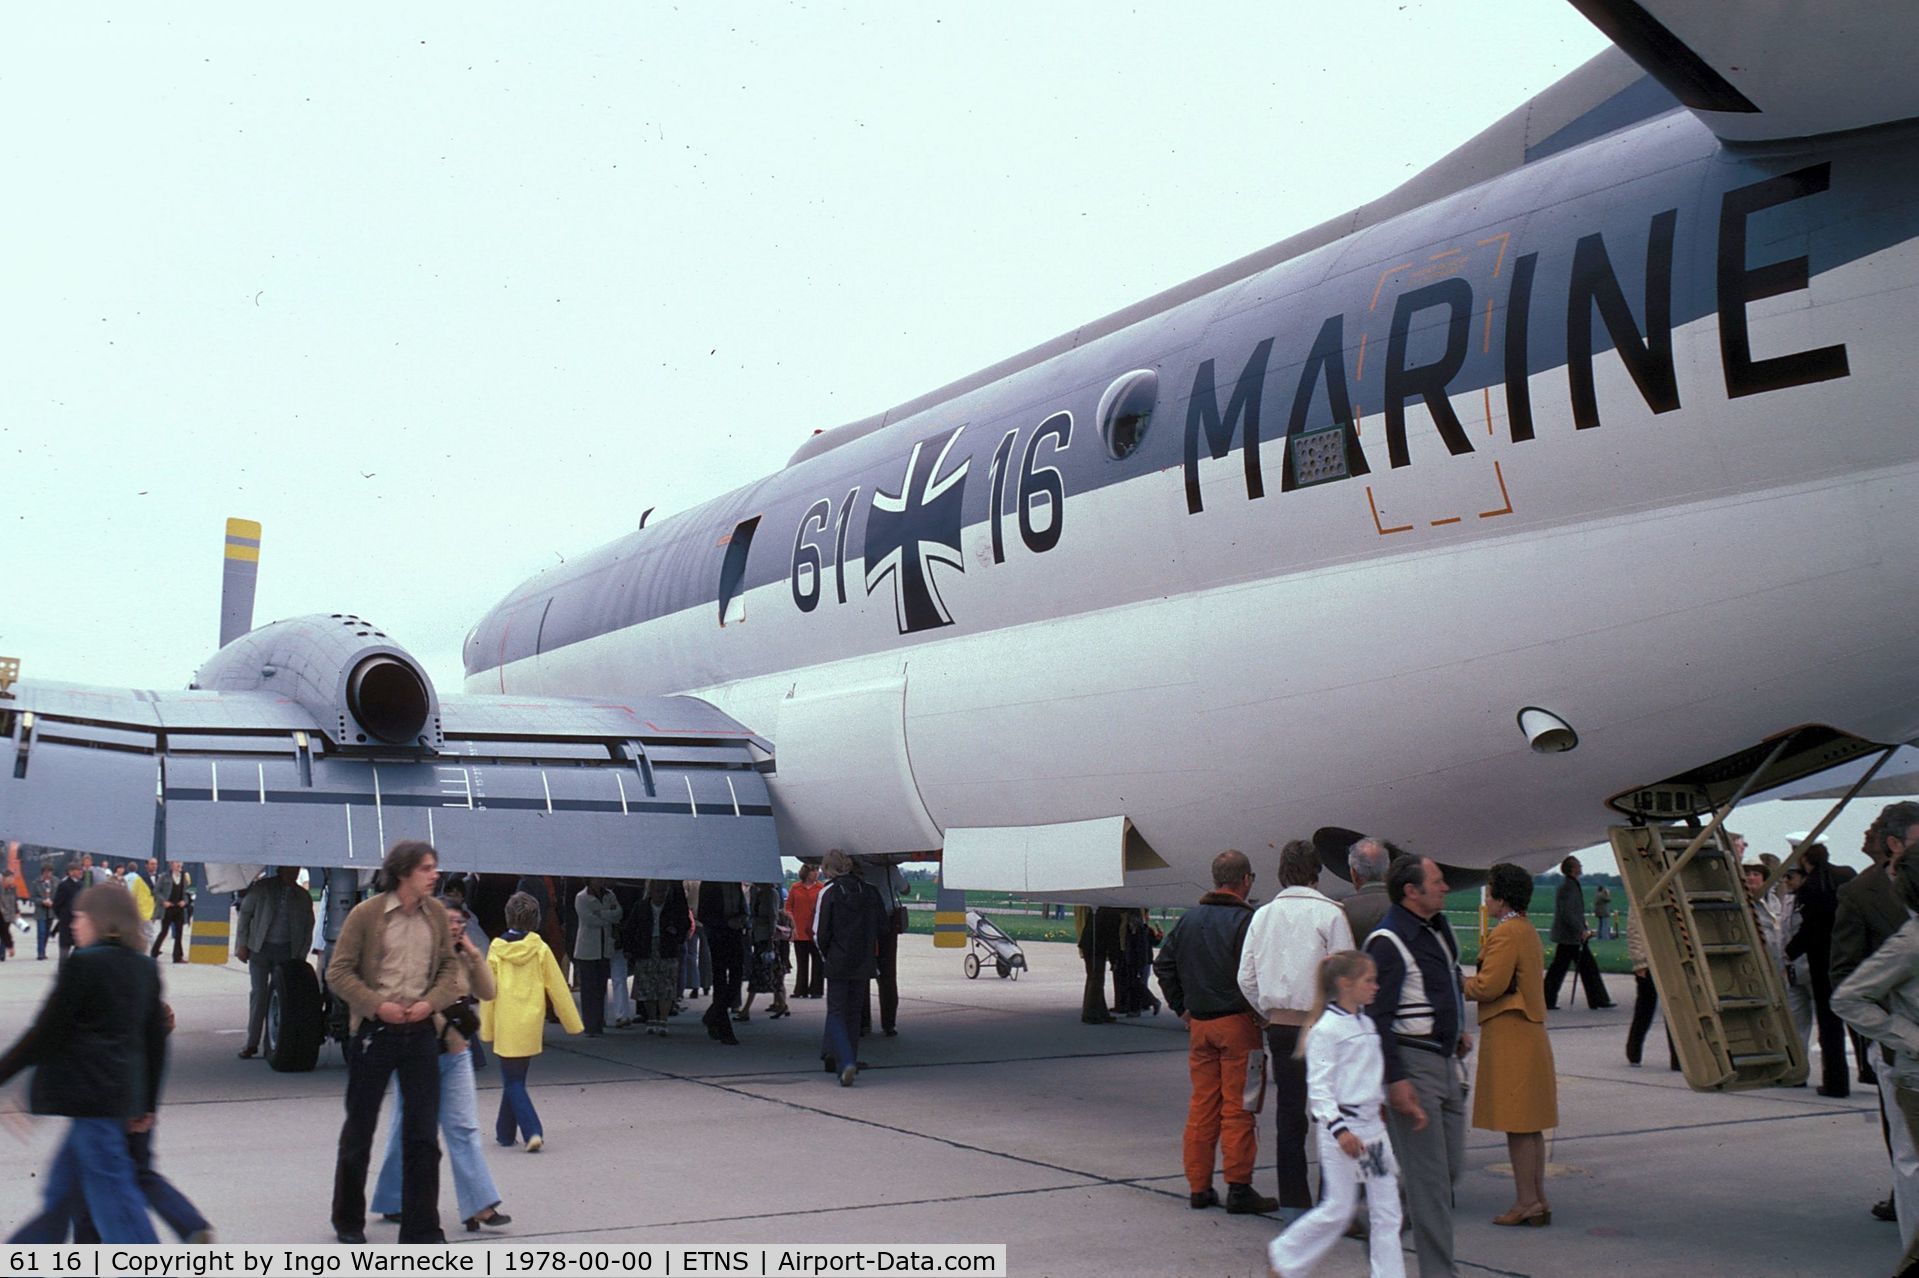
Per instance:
(663,787)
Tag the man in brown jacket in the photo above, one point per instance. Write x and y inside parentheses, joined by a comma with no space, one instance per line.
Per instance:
(394,967)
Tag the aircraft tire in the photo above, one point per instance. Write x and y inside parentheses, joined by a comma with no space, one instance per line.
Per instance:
(971,964)
(294,1022)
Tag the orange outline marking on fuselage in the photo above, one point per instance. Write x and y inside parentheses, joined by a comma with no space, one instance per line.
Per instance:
(1383,530)
(1501,477)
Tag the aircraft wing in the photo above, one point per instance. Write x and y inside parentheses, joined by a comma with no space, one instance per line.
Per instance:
(1764,69)
(657,787)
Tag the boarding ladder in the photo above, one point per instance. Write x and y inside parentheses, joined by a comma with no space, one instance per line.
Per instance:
(1721,991)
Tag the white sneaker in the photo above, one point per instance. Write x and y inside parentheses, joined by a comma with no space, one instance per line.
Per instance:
(534,1144)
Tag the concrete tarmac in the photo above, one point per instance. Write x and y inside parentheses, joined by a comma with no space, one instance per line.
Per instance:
(996,1117)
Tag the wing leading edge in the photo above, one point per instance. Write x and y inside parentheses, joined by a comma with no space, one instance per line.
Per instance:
(1766,69)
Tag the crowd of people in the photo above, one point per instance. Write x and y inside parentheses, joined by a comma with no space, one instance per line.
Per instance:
(1363,1009)
(162,898)
(1358,1009)
(429,991)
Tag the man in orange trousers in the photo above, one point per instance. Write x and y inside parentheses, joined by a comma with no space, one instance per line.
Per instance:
(1198,970)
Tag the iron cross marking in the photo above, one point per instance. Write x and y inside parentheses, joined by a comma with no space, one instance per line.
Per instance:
(910,531)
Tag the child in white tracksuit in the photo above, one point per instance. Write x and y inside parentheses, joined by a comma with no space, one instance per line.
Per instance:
(1345,1090)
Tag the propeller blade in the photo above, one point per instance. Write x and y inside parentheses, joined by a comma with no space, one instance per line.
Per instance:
(238,579)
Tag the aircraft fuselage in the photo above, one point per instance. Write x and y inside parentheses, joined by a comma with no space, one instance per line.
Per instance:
(1623,434)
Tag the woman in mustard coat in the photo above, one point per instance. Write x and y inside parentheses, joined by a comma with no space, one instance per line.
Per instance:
(528,977)
(1517,1091)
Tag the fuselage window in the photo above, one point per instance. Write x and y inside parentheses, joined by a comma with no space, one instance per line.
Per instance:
(733,572)
(1126,411)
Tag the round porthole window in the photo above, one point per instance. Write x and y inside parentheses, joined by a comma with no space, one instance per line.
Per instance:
(1126,411)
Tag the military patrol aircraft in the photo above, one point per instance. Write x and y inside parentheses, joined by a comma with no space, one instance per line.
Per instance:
(1570,472)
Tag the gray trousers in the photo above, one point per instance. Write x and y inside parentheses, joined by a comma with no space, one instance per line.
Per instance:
(259,976)
(1431,1161)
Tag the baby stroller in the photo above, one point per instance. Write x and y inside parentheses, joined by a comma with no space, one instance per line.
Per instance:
(986,942)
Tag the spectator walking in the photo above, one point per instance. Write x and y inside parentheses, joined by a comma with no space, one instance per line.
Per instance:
(1798,971)
(1279,973)
(173,888)
(1198,971)
(696,961)
(162,1196)
(1346,1088)
(1099,948)
(1818,907)
(1570,941)
(848,935)
(141,885)
(1880,998)
(722,918)
(393,966)
(64,895)
(43,888)
(9,910)
(892,889)
(98,1049)
(763,972)
(1602,913)
(594,941)
(457,1027)
(276,926)
(802,902)
(619,1003)
(1645,1000)
(1367,862)
(1516,1091)
(654,937)
(1420,1012)
(527,980)
(1137,938)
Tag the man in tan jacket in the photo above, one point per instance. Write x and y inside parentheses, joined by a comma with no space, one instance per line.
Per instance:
(394,967)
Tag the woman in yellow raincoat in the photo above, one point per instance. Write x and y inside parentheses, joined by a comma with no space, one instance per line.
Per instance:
(528,978)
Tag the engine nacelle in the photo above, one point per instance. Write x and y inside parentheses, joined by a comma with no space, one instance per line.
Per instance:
(363,690)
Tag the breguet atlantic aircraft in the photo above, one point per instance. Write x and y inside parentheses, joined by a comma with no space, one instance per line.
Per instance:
(1570,481)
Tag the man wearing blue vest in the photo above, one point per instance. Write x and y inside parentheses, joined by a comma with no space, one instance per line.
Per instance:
(1421,1013)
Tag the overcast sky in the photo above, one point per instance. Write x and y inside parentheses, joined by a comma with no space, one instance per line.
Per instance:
(445,294)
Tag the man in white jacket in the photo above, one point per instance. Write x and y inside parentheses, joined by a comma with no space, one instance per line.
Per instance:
(593,946)
(1278,973)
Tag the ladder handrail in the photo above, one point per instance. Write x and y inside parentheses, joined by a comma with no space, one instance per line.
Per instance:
(1799,848)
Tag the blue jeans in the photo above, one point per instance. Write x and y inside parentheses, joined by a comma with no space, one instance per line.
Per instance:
(92,1163)
(162,1195)
(843,1002)
(516,1106)
(42,928)
(473,1186)
(620,1006)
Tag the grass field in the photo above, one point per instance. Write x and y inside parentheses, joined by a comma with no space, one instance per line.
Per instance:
(1019,918)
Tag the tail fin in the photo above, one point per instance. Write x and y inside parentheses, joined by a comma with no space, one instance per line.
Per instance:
(237,581)
(1764,69)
